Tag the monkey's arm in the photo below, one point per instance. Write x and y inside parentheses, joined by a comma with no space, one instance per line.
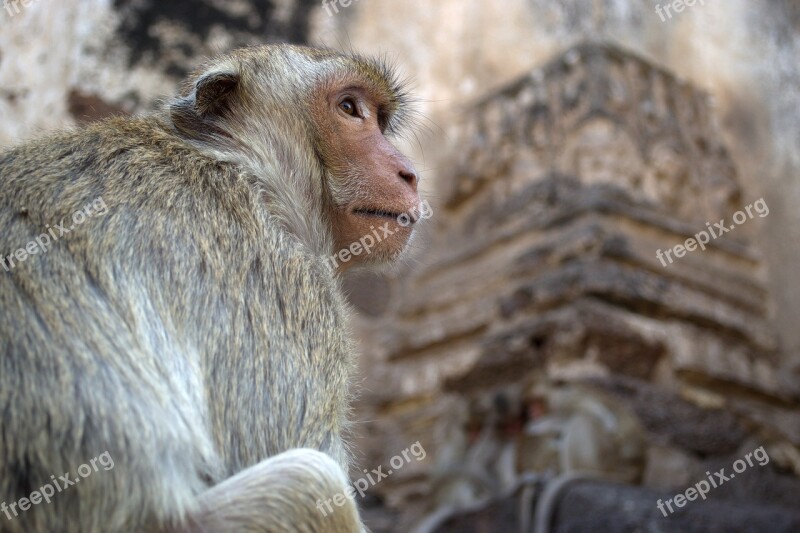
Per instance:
(301,490)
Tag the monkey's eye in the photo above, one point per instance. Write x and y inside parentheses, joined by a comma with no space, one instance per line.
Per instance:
(349,107)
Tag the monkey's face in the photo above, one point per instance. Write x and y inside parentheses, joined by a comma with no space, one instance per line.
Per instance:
(373,187)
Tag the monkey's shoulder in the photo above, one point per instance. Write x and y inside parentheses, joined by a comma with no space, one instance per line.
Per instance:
(116,149)
(133,162)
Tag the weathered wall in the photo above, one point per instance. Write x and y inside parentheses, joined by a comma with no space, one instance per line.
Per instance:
(547,293)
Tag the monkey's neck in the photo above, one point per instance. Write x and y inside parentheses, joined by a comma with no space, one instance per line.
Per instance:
(295,209)
(287,190)
(287,180)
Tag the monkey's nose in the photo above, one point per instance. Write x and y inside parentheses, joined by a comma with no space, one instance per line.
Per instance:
(410,177)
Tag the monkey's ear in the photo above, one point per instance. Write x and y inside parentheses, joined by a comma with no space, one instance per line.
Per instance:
(200,113)
(214,90)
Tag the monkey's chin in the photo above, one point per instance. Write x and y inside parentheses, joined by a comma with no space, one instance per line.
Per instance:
(384,261)
(372,243)
(390,252)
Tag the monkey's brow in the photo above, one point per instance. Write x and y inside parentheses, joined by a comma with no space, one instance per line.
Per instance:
(370,94)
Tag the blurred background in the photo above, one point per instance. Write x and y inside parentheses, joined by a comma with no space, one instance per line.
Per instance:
(541,358)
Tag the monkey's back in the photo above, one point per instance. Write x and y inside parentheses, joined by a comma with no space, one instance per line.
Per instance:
(122,335)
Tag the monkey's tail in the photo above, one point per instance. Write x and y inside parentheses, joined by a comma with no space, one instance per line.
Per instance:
(548,500)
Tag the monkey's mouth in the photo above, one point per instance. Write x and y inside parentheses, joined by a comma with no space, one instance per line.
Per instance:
(380,213)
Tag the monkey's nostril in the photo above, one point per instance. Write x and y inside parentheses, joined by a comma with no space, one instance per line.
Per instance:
(410,178)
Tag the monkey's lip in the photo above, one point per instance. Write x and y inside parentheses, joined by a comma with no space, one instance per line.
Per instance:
(381,213)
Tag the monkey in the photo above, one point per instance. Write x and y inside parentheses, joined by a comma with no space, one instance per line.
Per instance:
(460,479)
(582,429)
(476,464)
(187,323)
(586,435)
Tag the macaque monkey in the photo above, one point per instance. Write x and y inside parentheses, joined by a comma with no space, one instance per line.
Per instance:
(167,299)
(576,428)
(580,433)
(476,461)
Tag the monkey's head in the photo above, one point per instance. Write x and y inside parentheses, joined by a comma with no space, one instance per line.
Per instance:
(313,127)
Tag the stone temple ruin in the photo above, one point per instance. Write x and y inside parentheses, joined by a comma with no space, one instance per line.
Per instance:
(541,274)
